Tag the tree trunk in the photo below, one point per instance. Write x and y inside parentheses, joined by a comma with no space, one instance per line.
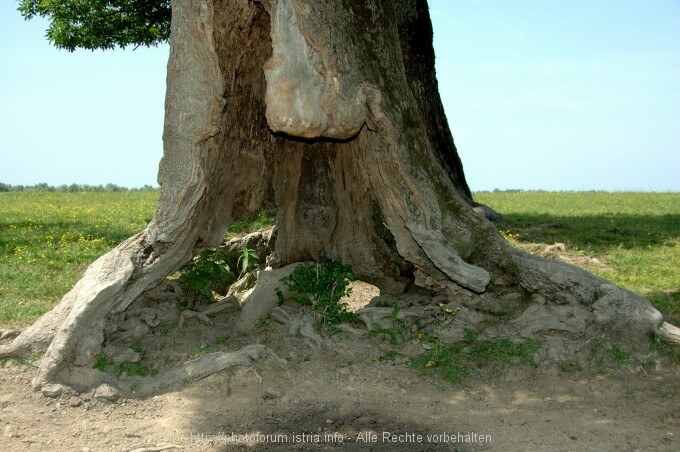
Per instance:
(329,112)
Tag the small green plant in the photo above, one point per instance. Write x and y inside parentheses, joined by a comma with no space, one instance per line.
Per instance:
(128,368)
(379,330)
(619,355)
(132,369)
(207,268)
(101,363)
(30,361)
(396,332)
(166,329)
(249,281)
(245,260)
(201,349)
(456,362)
(389,355)
(222,340)
(137,347)
(568,367)
(280,297)
(443,317)
(470,335)
(263,323)
(604,354)
(322,285)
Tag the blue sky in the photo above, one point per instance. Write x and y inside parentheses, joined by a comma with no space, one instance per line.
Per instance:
(539,94)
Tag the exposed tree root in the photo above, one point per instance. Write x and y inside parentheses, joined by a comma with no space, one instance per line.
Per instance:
(6,351)
(228,303)
(197,369)
(670,333)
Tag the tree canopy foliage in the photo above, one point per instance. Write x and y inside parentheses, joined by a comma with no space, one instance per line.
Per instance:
(102,24)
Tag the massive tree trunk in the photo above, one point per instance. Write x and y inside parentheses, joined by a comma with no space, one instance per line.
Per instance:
(329,112)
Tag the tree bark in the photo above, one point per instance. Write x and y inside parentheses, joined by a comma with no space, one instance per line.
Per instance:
(329,112)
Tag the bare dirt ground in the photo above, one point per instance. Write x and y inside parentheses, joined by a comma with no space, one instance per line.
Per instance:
(340,396)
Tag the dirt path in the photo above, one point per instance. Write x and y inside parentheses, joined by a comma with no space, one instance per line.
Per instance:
(346,398)
(342,397)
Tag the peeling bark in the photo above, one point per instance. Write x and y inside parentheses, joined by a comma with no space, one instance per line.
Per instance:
(194,104)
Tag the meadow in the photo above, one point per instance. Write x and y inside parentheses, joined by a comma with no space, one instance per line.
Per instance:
(629,238)
(47,240)
(633,239)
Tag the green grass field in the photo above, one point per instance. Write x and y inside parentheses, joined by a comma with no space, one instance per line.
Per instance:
(636,236)
(48,239)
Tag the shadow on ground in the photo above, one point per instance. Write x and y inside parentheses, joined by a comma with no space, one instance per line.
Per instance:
(628,231)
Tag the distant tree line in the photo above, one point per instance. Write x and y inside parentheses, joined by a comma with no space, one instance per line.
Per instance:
(73,188)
